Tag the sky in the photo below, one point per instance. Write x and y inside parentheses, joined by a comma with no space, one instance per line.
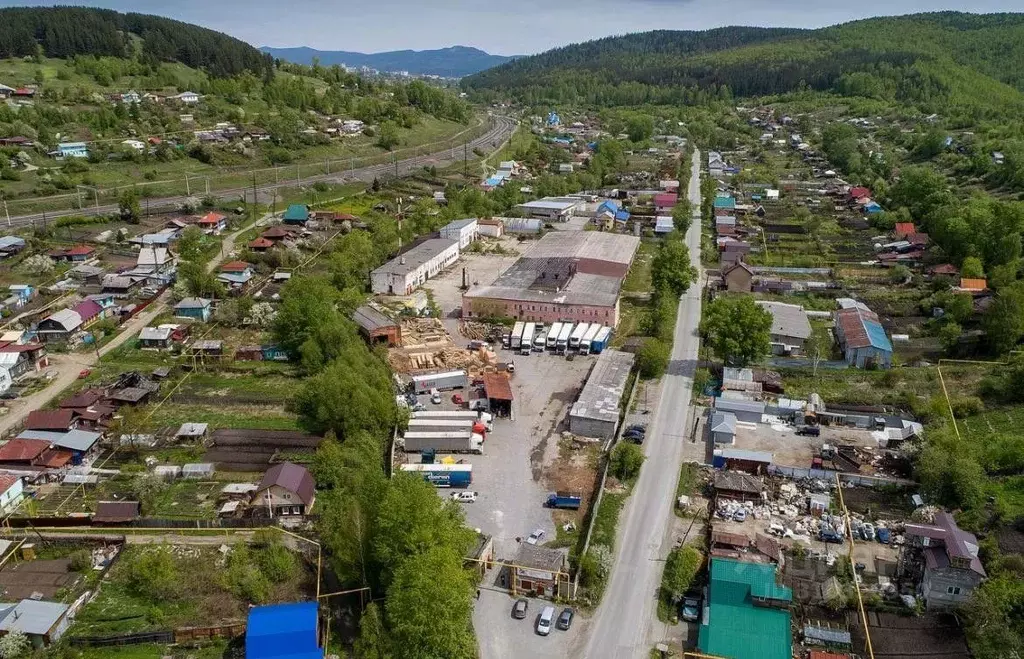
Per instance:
(503,27)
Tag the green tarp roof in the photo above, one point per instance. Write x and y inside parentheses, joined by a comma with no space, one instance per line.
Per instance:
(734,627)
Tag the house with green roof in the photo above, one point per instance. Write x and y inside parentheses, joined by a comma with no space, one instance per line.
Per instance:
(747,615)
(296,214)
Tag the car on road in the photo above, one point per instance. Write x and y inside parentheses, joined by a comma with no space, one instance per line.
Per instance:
(565,619)
(535,537)
(544,620)
(690,610)
(464,497)
(519,609)
(435,396)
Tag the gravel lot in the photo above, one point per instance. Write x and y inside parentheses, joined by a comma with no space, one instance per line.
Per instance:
(503,637)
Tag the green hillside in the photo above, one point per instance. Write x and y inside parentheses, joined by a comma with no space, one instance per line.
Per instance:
(958,62)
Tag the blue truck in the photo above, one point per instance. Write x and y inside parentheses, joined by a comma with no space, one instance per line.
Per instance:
(564,500)
(441,474)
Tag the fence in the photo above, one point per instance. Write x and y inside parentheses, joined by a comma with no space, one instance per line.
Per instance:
(147,523)
(180,635)
(830,475)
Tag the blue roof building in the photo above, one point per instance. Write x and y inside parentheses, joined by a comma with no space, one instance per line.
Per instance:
(72,150)
(862,337)
(554,119)
(283,631)
(725,202)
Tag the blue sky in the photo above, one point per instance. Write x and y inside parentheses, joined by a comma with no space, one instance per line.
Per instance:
(502,27)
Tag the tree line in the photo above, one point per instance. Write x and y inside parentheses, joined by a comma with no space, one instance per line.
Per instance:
(68,31)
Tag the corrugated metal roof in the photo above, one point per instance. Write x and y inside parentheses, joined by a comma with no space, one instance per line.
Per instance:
(732,405)
(788,319)
(33,617)
(292,477)
(734,626)
(602,393)
(723,422)
(743,454)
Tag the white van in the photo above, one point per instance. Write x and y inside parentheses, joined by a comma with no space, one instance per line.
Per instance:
(547,616)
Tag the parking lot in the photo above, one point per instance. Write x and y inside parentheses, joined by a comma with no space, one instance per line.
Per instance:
(503,637)
(792,450)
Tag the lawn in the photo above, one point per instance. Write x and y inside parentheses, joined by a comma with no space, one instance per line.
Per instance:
(224,416)
(608,519)
(638,280)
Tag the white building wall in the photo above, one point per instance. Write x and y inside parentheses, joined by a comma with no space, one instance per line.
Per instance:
(403,284)
(463,235)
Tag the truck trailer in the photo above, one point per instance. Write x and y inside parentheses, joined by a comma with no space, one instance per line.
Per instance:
(446,425)
(526,343)
(517,335)
(485,417)
(442,475)
(588,338)
(564,500)
(552,341)
(441,381)
(577,335)
(600,341)
(562,344)
(443,442)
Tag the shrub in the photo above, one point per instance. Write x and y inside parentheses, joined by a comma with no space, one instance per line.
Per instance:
(653,358)
(80,561)
(626,460)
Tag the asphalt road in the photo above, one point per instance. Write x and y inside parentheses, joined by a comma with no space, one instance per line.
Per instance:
(501,129)
(623,624)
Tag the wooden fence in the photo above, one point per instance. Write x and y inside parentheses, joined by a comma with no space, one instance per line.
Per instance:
(180,635)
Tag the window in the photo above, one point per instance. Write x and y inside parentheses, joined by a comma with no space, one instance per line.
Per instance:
(953,590)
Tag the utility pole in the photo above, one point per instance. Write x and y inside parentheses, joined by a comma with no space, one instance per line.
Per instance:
(396,164)
(188,190)
(327,165)
(7,213)
(253,197)
(465,159)
(298,177)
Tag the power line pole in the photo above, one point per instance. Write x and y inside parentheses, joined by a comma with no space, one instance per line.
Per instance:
(7,213)
(254,196)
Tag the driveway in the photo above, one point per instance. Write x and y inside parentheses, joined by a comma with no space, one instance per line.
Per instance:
(503,637)
(625,625)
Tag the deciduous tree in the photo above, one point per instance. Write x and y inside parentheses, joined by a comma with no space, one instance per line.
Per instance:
(738,329)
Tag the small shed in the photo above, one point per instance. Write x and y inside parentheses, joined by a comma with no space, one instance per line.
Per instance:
(738,485)
(723,427)
(297,214)
(192,432)
(499,394)
(167,472)
(42,622)
(377,327)
(747,411)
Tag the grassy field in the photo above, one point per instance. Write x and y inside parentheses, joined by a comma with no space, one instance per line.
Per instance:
(638,280)
(608,519)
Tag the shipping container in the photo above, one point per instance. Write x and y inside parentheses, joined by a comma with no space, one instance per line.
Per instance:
(439,425)
(517,335)
(578,334)
(443,442)
(552,339)
(442,475)
(588,338)
(447,380)
(600,341)
(564,500)
(563,338)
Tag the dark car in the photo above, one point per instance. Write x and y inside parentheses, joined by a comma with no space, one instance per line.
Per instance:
(810,431)
(8,395)
(565,619)
(636,427)
(519,609)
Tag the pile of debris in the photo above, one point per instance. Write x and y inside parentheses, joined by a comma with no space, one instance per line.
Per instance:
(474,330)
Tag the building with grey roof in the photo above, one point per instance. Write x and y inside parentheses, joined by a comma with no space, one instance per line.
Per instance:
(461,231)
(567,276)
(402,274)
(596,412)
(42,622)
(748,411)
(551,208)
(790,327)
(723,427)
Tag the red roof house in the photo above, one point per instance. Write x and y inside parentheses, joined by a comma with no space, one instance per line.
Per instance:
(54,420)
(235,266)
(904,229)
(859,192)
(261,244)
(23,450)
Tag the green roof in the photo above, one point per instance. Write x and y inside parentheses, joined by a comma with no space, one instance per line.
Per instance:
(725,202)
(734,627)
(297,212)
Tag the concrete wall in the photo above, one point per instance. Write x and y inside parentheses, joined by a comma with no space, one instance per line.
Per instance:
(473,307)
(592,427)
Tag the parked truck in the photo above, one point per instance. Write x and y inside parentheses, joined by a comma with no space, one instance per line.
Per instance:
(517,335)
(526,344)
(442,475)
(447,425)
(441,381)
(600,341)
(484,417)
(562,344)
(588,338)
(552,340)
(443,442)
(565,500)
(577,335)
(540,341)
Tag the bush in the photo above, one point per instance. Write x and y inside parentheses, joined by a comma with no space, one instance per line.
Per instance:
(680,569)
(153,574)
(81,560)
(653,358)
(626,460)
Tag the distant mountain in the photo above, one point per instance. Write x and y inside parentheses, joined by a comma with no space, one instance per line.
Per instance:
(453,62)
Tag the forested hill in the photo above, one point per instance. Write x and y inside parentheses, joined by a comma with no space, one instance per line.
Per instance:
(66,31)
(949,57)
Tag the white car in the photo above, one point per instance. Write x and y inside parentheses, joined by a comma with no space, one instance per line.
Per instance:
(535,537)
(464,497)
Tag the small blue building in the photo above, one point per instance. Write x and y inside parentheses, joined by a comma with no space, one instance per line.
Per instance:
(283,631)
(554,119)
(296,214)
(72,150)
(862,337)
(273,353)
(194,307)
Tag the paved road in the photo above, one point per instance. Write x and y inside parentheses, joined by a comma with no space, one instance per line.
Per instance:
(623,625)
(501,129)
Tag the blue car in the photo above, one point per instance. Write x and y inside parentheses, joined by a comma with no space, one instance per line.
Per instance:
(884,536)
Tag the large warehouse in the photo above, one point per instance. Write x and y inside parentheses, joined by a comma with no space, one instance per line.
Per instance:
(567,276)
(596,412)
(402,274)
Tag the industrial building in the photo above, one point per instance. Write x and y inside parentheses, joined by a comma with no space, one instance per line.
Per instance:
(402,274)
(461,231)
(377,327)
(567,276)
(559,209)
(596,412)
(283,631)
